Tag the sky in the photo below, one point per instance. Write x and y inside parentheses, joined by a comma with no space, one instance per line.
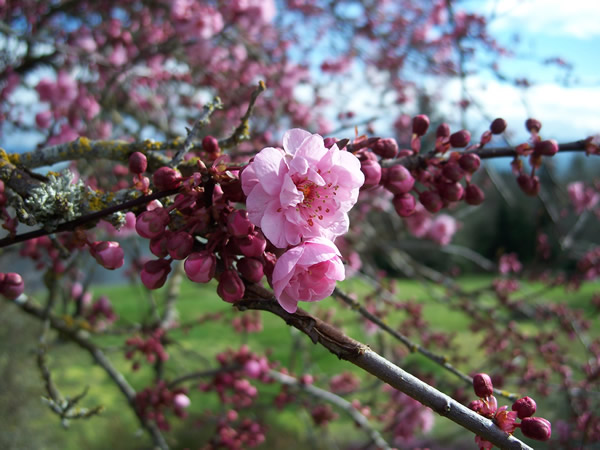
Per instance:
(547,28)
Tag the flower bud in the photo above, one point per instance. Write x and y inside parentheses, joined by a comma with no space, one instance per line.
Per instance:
(200,266)
(482,384)
(431,200)
(151,224)
(451,192)
(420,124)
(158,246)
(474,195)
(251,269)
(386,148)
(166,178)
(398,180)
(460,139)
(404,204)
(252,245)
(536,428)
(238,224)
(11,285)
(230,288)
(154,274)
(108,254)
(476,405)
(547,148)
(329,141)
(372,172)
(533,125)
(443,130)
(180,244)
(469,162)
(138,163)
(181,401)
(498,126)
(529,185)
(525,407)
(453,171)
(210,145)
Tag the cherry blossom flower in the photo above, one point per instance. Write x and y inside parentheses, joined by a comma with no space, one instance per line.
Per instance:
(302,191)
(307,273)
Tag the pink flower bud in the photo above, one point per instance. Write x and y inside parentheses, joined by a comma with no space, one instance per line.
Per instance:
(137,163)
(252,368)
(181,401)
(43,119)
(474,195)
(469,162)
(525,407)
(386,148)
(166,178)
(11,285)
(431,200)
(443,130)
(372,172)
(529,185)
(460,139)
(251,269)
(498,126)
(404,204)
(151,224)
(108,254)
(154,274)
(200,267)
(180,244)
(533,125)
(252,245)
(420,124)
(210,145)
(536,428)
(452,192)
(230,288)
(329,141)
(476,405)
(158,246)
(398,180)
(482,385)
(453,171)
(238,224)
(546,148)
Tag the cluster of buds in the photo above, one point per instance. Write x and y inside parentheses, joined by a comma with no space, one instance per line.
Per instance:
(535,149)
(11,285)
(442,176)
(231,383)
(101,314)
(323,414)
(248,322)
(524,408)
(153,402)
(151,347)
(243,434)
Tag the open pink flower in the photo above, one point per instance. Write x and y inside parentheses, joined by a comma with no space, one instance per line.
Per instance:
(307,273)
(303,191)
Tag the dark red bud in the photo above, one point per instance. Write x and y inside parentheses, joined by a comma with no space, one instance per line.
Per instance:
(386,148)
(443,130)
(251,269)
(529,185)
(404,204)
(547,148)
(460,139)
(453,171)
(498,126)
(525,407)
(210,145)
(482,384)
(329,141)
(536,428)
(166,178)
(474,195)
(451,192)
(372,171)
(138,163)
(469,162)
(420,124)
(431,200)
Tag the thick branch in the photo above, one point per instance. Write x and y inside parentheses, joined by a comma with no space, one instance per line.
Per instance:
(359,354)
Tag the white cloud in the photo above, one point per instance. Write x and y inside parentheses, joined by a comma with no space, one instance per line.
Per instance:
(566,113)
(574,18)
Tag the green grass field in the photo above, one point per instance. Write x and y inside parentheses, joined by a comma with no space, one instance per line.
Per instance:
(195,349)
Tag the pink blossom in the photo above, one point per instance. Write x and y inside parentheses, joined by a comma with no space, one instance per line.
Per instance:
(582,197)
(442,229)
(419,222)
(509,263)
(307,273)
(263,10)
(181,401)
(305,190)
